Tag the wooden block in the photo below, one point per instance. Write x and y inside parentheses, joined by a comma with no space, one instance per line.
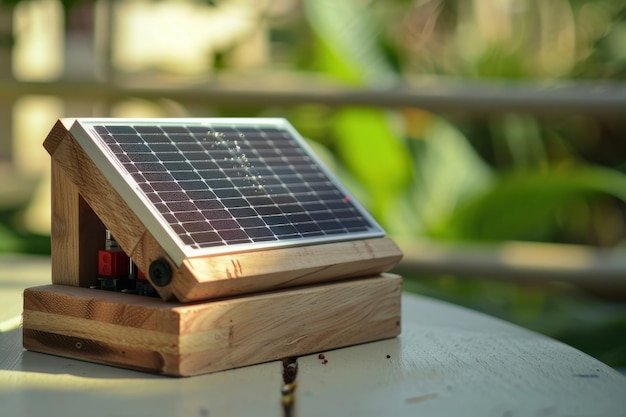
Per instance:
(188,339)
(247,272)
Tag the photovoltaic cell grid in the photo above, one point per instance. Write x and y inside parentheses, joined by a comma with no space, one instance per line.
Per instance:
(219,185)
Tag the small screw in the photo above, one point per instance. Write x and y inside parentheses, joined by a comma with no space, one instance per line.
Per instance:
(160,272)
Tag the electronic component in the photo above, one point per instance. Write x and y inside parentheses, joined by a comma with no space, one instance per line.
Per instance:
(117,272)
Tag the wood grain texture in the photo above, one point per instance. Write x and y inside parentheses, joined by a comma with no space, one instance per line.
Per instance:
(197,278)
(64,229)
(76,233)
(57,134)
(210,277)
(190,339)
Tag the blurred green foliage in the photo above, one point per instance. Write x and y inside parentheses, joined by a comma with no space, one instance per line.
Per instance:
(16,239)
(508,176)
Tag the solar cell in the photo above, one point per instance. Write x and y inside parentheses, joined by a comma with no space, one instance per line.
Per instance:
(208,186)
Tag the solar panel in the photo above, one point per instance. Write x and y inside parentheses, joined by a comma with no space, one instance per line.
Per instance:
(214,186)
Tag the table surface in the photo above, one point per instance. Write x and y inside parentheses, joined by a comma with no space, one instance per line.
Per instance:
(447,361)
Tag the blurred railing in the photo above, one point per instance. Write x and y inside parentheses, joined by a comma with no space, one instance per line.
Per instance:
(471,97)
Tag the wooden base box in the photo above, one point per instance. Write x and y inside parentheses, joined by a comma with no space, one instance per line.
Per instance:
(177,339)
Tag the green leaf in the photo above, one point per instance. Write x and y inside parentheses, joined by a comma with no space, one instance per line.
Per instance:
(448,172)
(519,138)
(348,41)
(531,205)
(9,241)
(374,154)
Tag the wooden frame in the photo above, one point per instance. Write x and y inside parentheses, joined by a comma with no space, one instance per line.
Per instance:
(221,311)
(76,177)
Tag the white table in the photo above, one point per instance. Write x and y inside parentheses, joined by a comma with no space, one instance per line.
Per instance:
(448,361)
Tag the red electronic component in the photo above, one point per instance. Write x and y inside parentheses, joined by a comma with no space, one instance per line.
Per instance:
(112,263)
(116,272)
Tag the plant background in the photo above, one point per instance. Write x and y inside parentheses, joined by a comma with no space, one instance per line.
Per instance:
(504,176)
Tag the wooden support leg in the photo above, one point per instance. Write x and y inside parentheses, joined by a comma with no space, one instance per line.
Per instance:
(76,232)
